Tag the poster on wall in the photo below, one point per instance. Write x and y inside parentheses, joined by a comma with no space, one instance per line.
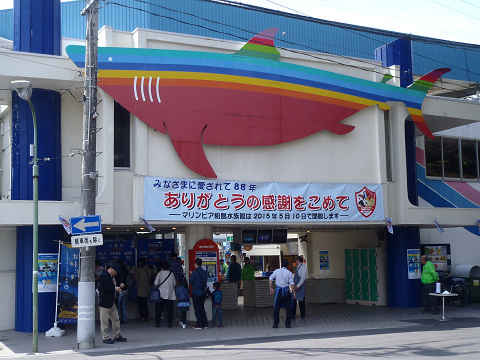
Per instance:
(439,255)
(47,272)
(68,281)
(413,261)
(209,264)
(175,199)
(324,262)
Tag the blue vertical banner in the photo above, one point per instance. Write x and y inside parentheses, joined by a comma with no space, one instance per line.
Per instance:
(47,272)
(68,289)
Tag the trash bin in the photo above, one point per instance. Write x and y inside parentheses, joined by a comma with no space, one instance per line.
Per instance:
(472,274)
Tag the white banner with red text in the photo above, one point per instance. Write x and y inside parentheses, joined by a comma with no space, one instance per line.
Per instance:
(176,199)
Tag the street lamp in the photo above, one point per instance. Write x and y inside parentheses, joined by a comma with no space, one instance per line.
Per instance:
(24,91)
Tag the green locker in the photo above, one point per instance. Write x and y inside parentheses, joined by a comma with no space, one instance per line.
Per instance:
(356,272)
(365,281)
(348,274)
(365,278)
(373,269)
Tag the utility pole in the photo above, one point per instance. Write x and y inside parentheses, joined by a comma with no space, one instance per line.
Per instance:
(86,284)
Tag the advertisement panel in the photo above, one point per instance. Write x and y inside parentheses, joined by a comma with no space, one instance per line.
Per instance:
(175,199)
(68,289)
(47,272)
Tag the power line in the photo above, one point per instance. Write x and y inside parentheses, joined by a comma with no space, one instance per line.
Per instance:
(251,34)
(450,8)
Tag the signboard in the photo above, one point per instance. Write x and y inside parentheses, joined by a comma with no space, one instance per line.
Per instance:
(87,240)
(68,289)
(196,200)
(47,272)
(207,250)
(86,224)
(413,260)
(324,262)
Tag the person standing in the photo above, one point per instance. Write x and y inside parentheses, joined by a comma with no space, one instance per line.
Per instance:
(108,289)
(165,281)
(175,266)
(429,278)
(234,273)
(183,297)
(217,296)
(248,271)
(284,293)
(299,281)
(143,276)
(198,281)
(122,278)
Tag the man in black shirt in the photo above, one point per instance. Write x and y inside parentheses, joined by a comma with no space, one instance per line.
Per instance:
(108,289)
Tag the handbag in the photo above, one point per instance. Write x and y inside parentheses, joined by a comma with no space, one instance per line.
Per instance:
(154,296)
(208,293)
(133,291)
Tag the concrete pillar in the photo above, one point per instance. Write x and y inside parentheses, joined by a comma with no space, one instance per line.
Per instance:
(194,233)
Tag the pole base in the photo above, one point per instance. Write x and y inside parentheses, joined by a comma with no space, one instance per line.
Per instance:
(55,332)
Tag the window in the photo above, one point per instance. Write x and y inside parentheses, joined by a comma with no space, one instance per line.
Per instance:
(433,157)
(121,141)
(451,164)
(469,159)
(452,158)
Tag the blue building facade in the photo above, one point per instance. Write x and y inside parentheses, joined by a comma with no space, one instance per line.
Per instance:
(234,22)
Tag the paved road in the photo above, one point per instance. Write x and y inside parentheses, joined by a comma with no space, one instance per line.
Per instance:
(428,339)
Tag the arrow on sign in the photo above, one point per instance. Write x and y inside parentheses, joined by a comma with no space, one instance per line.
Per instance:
(81,225)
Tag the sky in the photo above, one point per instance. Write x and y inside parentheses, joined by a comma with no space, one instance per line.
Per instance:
(455,20)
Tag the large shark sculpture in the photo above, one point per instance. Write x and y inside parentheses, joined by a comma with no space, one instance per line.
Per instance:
(244,99)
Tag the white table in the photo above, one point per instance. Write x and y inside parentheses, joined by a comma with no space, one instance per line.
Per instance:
(443,296)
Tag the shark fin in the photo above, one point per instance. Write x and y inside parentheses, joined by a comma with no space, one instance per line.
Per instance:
(386,78)
(423,85)
(426,81)
(189,148)
(261,46)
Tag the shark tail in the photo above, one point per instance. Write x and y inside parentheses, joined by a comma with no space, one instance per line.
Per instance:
(423,85)
(261,46)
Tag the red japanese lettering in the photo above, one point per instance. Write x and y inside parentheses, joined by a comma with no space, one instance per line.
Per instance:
(238,198)
(268,202)
(219,204)
(299,203)
(341,199)
(203,201)
(188,200)
(313,201)
(284,202)
(328,203)
(253,202)
(171,200)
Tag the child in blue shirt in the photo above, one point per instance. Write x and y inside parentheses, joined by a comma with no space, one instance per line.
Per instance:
(183,298)
(217,296)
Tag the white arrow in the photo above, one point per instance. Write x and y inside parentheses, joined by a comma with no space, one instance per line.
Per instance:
(81,225)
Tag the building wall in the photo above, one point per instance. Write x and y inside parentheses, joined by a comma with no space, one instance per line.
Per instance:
(8,244)
(336,242)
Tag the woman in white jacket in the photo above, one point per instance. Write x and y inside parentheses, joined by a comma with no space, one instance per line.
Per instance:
(165,281)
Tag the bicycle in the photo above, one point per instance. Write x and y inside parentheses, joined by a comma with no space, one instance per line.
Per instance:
(454,286)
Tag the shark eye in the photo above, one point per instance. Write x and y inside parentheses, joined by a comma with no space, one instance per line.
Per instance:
(110,59)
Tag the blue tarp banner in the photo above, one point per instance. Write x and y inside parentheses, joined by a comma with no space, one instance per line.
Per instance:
(68,289)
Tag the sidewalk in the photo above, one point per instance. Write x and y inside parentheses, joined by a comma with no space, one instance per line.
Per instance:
(244,323)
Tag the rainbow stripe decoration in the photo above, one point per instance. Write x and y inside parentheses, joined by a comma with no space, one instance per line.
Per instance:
(244,99)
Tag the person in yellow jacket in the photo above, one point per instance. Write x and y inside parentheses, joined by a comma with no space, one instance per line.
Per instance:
(429,278)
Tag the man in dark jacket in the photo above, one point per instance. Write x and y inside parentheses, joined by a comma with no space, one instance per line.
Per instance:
(198,281)
(108,289)
(234,273)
